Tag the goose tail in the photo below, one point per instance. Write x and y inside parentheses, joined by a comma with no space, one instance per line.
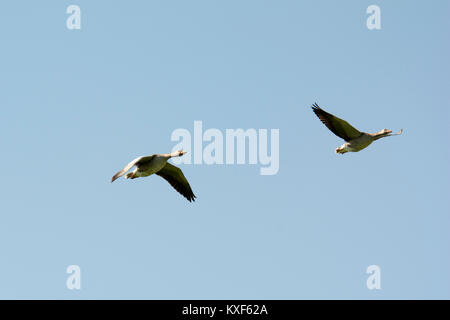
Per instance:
(130,175)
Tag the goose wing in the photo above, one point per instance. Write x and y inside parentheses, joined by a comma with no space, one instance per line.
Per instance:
(339,127)
(177,180)
(136,161)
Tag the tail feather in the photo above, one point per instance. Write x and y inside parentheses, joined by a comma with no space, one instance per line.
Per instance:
(130,175)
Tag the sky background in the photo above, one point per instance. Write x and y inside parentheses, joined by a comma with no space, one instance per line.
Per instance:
(77,105)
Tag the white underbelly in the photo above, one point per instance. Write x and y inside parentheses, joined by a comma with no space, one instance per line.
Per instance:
(350,149)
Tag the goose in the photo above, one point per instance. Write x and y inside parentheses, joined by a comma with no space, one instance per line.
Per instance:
(355,140)
(157,163)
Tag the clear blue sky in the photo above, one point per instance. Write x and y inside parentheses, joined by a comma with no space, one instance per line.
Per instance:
(77,105)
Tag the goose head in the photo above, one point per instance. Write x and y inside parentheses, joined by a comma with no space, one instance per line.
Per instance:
(175,154)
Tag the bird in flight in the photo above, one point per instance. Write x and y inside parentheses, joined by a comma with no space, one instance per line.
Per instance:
(157,163)
(355,140)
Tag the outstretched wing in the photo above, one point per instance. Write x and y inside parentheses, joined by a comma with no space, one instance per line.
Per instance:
(177,180)
(339,127)
(135,162)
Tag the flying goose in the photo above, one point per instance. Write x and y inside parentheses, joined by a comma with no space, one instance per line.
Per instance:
(354,139)
(157,163)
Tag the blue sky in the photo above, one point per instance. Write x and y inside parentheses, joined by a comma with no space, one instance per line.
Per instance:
(77,105)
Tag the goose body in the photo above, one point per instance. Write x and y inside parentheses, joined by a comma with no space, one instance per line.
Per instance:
(157,164)
(356,144)
(355,140)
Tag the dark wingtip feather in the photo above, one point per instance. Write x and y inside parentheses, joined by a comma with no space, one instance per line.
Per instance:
(191,197)
(315,107)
